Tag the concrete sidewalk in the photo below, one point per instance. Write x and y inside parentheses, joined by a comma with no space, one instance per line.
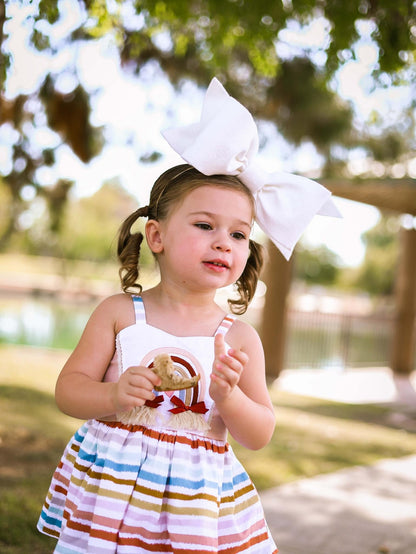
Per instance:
(373,385)
(362,510)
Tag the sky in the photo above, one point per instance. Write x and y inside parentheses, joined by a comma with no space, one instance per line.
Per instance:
(134,112)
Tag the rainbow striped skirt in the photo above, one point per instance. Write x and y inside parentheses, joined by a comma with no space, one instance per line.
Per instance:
(129,489)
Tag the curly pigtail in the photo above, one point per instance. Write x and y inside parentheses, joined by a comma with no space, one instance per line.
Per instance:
(128,251)
(247,283)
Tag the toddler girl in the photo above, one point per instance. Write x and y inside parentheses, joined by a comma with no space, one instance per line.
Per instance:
(151,470)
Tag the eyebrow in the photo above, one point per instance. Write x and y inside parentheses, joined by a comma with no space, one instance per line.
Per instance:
(210,214)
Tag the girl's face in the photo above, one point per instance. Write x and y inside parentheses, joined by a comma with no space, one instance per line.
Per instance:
(204,242)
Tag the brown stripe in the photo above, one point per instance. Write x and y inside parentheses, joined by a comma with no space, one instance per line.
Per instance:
(94,488)
(151,492)
(238,494)
(166,437)
(243,546)
(239,508)
(178,496)
(49,531)
(115,538)
(156,547)
(60,490)
(103,476)
(146,491)
(175,510)
(64,481)
(128,531)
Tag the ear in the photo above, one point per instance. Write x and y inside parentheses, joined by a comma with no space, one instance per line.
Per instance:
(154,236)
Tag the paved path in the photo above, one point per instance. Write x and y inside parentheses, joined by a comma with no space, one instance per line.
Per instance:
(376,385)
(362,510)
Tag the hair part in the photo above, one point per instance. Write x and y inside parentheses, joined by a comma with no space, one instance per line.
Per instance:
(168,190)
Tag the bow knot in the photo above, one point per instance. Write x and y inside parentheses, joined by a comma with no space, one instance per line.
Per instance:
(225,141)
(155,402)
(198,408)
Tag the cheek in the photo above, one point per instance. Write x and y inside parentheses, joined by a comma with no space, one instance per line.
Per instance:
(188,249)
(243,257)
(246,254)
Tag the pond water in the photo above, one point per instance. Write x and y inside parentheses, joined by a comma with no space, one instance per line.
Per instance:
(313,341)
(40,321)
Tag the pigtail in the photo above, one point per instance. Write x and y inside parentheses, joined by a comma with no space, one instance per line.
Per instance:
(128,251)
(247,283)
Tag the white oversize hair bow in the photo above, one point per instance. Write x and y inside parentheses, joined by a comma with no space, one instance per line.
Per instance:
(225,142)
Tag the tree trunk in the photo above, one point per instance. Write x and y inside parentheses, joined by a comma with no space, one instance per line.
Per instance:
(277,277)
(403,350)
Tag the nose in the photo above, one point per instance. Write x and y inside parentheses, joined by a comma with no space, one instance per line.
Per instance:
(222,242)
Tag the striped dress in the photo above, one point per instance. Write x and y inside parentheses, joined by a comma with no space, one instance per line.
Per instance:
(161,478)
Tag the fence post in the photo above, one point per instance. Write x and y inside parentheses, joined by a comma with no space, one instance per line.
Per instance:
(403,348)
(345,339)
(277,277)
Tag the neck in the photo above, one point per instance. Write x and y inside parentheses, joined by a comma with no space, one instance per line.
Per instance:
(180,298)
(182,312)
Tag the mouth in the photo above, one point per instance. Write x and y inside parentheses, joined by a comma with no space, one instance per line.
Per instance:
(218,265)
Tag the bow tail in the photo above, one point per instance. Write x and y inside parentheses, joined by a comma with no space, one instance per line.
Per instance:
(286,206)
(329,209)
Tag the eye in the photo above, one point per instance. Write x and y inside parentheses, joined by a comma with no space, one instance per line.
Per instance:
(238,235)
(203,226)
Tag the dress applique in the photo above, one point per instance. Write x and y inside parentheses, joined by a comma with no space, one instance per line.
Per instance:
(182,415)
(160,479)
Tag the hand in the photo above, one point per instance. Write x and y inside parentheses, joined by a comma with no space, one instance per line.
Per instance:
(134,387)
(226,369)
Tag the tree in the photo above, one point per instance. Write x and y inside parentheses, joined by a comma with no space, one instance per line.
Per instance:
(377,273)
(247,45)
(85,229)
(90,228)
(317,266)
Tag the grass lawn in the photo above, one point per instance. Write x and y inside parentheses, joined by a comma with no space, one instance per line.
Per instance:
(312,437)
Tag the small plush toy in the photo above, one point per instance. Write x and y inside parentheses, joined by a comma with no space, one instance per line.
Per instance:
(164,368)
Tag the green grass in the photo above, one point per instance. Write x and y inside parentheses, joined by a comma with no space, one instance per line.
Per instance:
(312,437)
(33,434)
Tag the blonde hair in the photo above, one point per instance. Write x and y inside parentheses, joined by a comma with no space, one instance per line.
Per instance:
(169,189)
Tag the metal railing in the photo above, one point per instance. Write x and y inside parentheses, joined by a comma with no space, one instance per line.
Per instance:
(335,340)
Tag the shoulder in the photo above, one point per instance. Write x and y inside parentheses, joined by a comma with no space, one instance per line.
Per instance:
(116,301)
(243,336)
(118,309)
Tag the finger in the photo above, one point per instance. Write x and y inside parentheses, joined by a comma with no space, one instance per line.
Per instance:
(228,373)
(219,345)
(141,394)
(238,355)
(146,374)
(153,378)
(227,364)
(220,381)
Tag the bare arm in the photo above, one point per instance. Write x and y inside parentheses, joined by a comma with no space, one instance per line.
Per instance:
(80,391)
(238,386)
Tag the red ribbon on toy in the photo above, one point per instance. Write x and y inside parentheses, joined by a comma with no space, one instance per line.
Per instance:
(198,408)
(154,403)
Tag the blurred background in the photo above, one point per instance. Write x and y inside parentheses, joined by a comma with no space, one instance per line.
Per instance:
(86,86)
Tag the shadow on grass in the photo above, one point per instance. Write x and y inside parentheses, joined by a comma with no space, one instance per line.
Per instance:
(33,435)
(314,437)
(393,416)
